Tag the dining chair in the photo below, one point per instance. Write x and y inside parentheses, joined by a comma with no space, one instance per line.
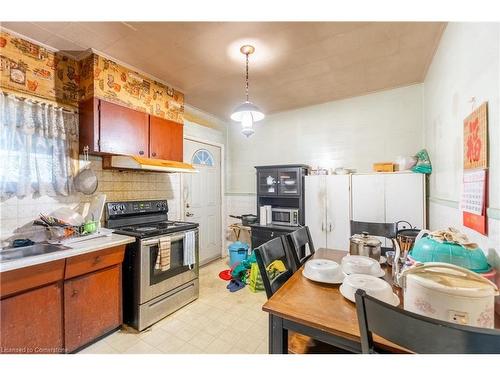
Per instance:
(297,242)
(419,333)
(274,264)
(387,230)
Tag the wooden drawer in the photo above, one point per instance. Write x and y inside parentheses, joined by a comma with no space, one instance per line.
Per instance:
(93,261)
(26,278)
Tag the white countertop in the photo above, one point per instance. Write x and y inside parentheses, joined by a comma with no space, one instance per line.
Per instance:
(77,248)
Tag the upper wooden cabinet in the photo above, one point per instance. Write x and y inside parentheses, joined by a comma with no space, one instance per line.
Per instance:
(123,130)
(109,128)
(165,139)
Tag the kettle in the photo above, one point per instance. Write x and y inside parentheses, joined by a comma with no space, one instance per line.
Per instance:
(365,245)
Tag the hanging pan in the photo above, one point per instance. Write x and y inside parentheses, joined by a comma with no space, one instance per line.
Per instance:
(86,180)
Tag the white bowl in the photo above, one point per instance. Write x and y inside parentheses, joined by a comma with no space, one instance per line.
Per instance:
(373,286)
(363,265)
(323,271)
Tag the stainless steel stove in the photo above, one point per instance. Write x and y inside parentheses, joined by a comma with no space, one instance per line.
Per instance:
(150,293)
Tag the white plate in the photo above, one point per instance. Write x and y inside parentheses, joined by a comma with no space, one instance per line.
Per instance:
(394,302)
(338,281)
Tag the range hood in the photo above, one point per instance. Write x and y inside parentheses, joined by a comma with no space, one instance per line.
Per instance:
(145,164)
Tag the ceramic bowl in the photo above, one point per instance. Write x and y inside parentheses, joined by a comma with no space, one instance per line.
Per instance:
(373,286)
(358,264)
(323,271)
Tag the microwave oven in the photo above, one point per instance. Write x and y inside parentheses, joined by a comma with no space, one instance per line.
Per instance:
(285,216)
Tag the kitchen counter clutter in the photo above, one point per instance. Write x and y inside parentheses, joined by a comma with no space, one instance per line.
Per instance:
(76,248)
(49,303)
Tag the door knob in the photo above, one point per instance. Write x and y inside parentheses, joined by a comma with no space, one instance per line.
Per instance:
(141,152)
(154,154)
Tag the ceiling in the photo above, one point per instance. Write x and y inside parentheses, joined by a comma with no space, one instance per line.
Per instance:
(295,63)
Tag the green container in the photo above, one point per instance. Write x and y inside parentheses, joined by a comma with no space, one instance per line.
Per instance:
(427,249)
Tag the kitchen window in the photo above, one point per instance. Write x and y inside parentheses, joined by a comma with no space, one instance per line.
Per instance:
(36,145)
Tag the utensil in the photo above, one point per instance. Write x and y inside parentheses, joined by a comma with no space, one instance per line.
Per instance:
(323,271)
(246,219)
(86,180)
(67,216)
(451,293)
(358,264)
(365,245)
(373,286)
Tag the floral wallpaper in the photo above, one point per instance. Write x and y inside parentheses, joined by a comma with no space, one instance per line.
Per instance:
(105,79)
(31,69)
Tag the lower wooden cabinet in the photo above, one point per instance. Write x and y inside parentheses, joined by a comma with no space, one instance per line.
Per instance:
(31,322)
(92,306)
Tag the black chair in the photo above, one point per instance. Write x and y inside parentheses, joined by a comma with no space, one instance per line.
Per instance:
(387,230)
(267,253)
(418,333)
(297,241)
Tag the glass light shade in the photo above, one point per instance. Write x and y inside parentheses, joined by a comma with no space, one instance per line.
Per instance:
(247,107)
(247,124)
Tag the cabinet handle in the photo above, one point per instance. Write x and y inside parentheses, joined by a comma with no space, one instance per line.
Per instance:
(322,227)
(330,227)
(74,293)
(141,152)
(97,259)
(272,234)
(154,154)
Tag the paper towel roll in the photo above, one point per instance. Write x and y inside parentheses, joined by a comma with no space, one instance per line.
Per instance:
(263,215)
(269,214)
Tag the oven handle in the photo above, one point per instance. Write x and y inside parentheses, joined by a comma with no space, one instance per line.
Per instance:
(156,241)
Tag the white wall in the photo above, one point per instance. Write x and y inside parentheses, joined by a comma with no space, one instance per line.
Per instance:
(466,65)
(353,133)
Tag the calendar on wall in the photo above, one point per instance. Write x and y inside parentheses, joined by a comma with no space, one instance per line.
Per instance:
(474,200)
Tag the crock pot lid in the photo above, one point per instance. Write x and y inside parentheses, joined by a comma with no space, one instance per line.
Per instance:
(453,282)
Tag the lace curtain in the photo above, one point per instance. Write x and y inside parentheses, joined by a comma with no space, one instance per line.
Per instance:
(37,140)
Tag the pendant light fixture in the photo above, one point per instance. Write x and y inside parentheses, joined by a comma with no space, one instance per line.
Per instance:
(247,113)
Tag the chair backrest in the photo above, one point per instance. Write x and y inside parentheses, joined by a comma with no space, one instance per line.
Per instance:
(297,241)
(418,333)
(272,276)
(387,230)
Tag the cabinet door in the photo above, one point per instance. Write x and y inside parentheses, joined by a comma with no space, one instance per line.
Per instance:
(315,208)
(123,130)
(92,306)
(405,198)
(267,182)
(289,182)
(338,212)
(165,139)
(32,321)
(368,201)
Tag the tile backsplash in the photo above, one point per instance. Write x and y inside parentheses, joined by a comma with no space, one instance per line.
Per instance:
(16,214)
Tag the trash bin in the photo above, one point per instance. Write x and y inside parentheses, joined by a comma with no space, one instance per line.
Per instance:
(238,251)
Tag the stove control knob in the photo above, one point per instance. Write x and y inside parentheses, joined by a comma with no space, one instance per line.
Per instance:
(114,207)
(158,205)
(122,207)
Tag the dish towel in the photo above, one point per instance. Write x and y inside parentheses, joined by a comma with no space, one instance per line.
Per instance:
(189,248)
(163,258)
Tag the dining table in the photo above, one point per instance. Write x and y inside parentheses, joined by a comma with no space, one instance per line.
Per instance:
(319,311)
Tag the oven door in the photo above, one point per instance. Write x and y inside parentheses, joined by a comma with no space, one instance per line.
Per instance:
(155,282)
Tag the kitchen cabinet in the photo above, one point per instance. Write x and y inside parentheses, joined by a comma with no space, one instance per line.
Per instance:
(389,198)
(108,128)
(328,206)
(284,181)
(60,306)
(267,181)
(165,139)
(92,306)
(31,309)
(122,130)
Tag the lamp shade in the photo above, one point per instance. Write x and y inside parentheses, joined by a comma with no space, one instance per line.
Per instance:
(247,107)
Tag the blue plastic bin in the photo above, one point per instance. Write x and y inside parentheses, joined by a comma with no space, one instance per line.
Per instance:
(238,251)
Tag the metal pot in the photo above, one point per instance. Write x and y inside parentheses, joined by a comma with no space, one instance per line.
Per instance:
(366,245)
(247,219)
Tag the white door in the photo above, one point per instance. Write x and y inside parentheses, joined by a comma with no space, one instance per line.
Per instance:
(338,198)
(315,208)
(405,198)
(202,196)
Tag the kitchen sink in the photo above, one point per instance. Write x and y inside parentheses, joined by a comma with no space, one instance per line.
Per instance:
(14,253)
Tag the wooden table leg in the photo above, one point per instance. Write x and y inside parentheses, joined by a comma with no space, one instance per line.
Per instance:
(278,336)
